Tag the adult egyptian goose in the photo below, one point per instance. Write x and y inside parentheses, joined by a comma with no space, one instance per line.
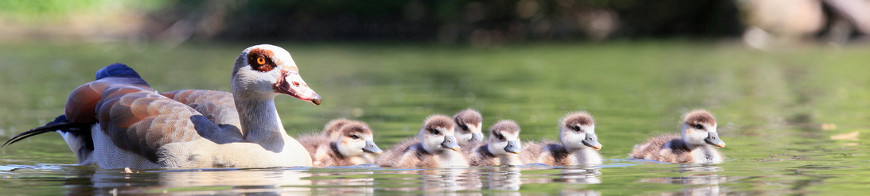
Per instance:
(119,121)
(579,144)
(468,127)
(349,143)
(695,143)
(434,147)
(502,147)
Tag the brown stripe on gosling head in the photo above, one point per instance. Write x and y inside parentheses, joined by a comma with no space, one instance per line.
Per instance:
(699,117)
(574,118)
(504,126)
(467,116)
(352,127)
(438,120)
(334,125)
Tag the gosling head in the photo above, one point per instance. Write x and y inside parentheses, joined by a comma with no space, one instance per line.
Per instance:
(331,129)
(437,134)
(699,128)
(578,131)
(355,139)
(468,126)
(504,138)
(265,71)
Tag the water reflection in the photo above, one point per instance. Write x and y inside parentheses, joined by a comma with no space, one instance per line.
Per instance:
(566,175)
(201,181)
(506,178)
(445,180)
(701,178)
(356,181)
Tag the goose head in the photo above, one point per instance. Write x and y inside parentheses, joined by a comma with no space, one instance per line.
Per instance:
(468,126)
(504,138)
(437,134)
(265,71)
(578,131)
(699,128)
(355,139)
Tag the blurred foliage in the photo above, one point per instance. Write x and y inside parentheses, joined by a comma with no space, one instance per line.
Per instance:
(475,21)
(60,8)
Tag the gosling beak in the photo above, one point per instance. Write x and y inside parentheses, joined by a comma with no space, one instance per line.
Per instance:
(290,83)
(592,141)
(450,143)
(512,147)
(713,139)
(371,147)
(478,136)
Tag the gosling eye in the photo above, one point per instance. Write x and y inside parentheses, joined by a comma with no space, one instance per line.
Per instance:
(434,131)
(499,136)
(698,126)
(576,128)
(356,137)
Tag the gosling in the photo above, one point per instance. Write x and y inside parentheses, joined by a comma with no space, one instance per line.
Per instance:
(579,144)
(468,128)
(349,143)
(434,147)
(502,147)
(694,145)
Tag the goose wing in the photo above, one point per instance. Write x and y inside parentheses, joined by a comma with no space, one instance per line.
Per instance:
(217,106)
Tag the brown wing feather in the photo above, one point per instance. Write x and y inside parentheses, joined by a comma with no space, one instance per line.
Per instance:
(141,121)
(81,103)
(217,106)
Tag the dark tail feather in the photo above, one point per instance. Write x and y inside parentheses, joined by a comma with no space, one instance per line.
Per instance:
(59,123)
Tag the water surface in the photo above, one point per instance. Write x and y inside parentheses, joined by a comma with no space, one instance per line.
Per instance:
(794,119)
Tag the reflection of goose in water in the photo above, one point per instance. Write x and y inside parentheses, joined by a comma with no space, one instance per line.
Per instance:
(702,180)
(208,181)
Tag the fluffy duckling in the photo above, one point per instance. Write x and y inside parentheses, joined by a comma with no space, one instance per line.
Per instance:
(434,147)
(350,144)
(468,127)
(694,144)
(502,147)
(579,144)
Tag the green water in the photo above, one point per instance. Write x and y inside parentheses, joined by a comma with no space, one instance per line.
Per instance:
(794,119)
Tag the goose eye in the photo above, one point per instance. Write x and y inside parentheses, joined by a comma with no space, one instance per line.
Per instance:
(499,136)
(576,128)
(354,137)
(699,126)
(261,60)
